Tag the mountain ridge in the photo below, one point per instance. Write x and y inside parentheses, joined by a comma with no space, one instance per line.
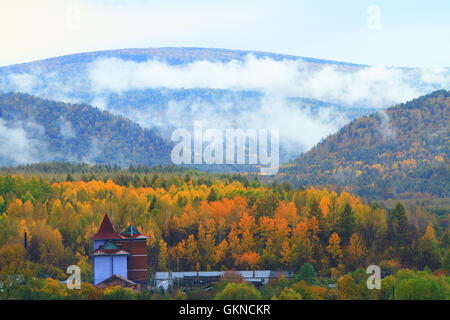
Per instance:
(161,89)
(47,130)
(400,150)
(154,51)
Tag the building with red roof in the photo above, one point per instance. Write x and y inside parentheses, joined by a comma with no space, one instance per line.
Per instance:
(106,231)
(119,281)
(123,255)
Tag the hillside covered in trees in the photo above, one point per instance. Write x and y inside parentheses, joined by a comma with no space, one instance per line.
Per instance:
(400,152)
(197,224)
(35,130)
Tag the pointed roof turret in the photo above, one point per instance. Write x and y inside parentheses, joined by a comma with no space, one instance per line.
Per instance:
(110,248)
(106,230)
(130,231)
(109,245)
(133,233)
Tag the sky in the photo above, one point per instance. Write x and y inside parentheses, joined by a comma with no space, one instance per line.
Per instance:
(405,33)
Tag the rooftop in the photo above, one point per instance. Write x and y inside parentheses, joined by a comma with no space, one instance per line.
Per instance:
(108,248)
(106,230)
(244,273)
(133,232)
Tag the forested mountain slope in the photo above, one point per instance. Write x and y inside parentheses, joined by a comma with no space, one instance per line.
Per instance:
(35,130)
(397,152)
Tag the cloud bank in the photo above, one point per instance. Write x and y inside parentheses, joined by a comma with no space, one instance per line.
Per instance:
(20,143)
(369,86)
(277,81)
(274,81)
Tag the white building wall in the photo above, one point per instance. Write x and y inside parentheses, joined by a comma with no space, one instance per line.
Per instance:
(102,268)
(106,266)
(120,266)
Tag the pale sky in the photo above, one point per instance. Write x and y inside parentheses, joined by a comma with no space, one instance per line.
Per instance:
(400,33)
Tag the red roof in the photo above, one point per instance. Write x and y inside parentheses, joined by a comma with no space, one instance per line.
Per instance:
(136,236)
(132,233)
(110,248)
(106,230)
(116,276)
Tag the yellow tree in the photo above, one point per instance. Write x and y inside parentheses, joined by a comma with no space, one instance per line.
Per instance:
(334,249)
(205,246)
(221,252)
(248,260)
(247,228)
(162,256)
(179,253)
(13,267)
(287,257)
(429,234)
(355,252)
(287,212)
(234,242)
(191,251)
(346,285)
(302,246)
(46,245)
(15,208)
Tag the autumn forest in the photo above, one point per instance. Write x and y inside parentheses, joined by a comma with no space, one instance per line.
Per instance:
(196,221)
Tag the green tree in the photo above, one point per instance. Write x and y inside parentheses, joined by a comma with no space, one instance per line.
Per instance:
(306,273)
(346,223)
(446,261)
(14,268)
(288,294)
(398,224)
(152,204)
(212,195)
(118,293)
(239,291)
(398,218)
(419,288)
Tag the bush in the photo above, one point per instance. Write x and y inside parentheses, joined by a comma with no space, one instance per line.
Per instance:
(306,273)
(288,294)
(239,291)
(118,293)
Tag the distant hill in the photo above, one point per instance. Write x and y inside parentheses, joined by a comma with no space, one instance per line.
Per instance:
(168,88)
(173,55)
(393,153)
(69,78)
(35,130)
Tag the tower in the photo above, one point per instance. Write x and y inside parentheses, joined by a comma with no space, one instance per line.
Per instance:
(123,255)
(135,243)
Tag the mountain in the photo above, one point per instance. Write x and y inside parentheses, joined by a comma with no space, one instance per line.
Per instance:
(36,130)
(217,86)
(396,152)
(163,89)
(173,55)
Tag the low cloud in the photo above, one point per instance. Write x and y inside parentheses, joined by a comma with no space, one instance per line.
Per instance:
(385,127)
(20,143)
(277,81)
(22,82)
(368,86)
(300,127)
(95,149)
(66,130)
